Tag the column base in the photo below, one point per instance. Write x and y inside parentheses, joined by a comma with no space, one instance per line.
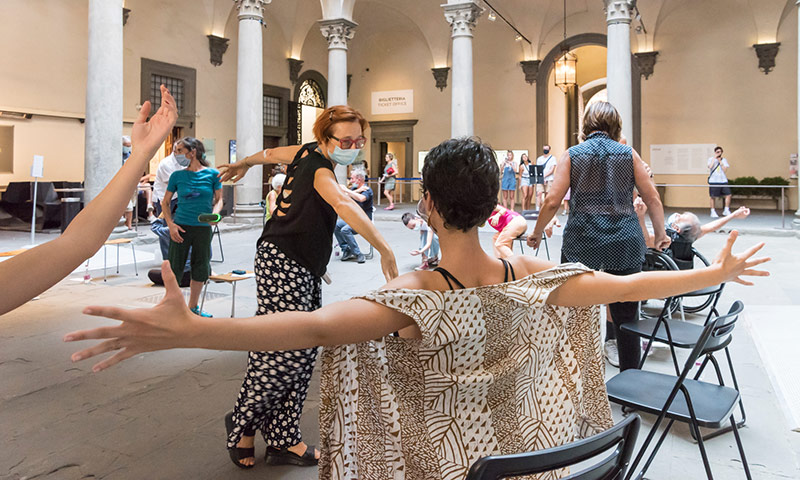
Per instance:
(796,222)
(246,214)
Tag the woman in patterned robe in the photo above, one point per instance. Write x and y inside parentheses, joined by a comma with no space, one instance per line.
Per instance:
(440,368)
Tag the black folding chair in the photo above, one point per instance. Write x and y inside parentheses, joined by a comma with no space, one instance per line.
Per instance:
(522,239)
(677,334)
(621,438)
(697,403)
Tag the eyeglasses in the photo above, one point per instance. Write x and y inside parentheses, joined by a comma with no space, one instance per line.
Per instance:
(348,142)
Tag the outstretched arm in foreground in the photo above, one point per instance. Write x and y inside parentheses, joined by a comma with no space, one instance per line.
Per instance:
(601,288)
(236,171)
(170,324)
(34,271)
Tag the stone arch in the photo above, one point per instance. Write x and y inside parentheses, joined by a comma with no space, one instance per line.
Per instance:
(316,77)
(546,66)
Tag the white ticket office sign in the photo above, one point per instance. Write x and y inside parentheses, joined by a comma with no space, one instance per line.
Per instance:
(396,101)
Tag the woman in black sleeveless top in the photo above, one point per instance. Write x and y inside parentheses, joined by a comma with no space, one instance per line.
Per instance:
(292,255)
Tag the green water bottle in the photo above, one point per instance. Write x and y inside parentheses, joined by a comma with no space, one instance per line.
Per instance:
(209,217)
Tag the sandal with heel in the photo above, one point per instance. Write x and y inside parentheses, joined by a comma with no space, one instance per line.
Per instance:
(237,453)
(283,456)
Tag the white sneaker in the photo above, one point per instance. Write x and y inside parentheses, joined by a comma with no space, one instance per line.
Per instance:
(611,353)
(650,351)
(152,218)
(714,213)
(727,211)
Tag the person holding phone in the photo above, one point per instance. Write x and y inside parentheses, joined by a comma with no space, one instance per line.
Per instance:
(718,182)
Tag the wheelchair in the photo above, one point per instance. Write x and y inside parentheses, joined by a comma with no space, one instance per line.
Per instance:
(691,302)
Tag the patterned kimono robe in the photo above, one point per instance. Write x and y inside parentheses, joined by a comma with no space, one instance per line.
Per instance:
(497,371)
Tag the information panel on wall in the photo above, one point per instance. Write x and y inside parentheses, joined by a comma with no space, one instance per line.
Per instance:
(395,101)
(681,159)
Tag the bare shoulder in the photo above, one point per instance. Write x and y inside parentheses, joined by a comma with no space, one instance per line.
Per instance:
(525,265)
(415,281)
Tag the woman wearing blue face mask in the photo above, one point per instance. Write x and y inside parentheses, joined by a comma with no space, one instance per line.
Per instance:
(292,256)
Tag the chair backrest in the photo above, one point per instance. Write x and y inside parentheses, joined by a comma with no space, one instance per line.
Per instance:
(721,335)
(621,438)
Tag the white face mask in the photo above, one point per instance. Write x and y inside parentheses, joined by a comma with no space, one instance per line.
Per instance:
(345,157)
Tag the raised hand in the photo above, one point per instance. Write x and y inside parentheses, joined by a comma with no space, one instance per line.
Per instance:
(234,171)
(149,135)
(167,325)
(735,266)
(741,212)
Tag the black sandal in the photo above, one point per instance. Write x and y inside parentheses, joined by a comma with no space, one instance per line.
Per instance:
(238,453)
(283,456)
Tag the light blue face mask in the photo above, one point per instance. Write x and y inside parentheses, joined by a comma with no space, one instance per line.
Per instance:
(345,157)
(182,160)
(672,219)
(126,151)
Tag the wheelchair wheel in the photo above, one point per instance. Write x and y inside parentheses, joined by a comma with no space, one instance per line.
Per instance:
(698,304)
(656,261)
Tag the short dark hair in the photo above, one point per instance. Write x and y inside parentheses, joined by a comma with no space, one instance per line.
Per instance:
(191,143)
(407,217)
(718,148)
(462,177)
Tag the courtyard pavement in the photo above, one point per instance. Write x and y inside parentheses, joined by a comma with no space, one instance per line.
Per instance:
(159,415)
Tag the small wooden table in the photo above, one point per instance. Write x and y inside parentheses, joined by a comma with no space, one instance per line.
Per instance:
(118,242)
(231,278)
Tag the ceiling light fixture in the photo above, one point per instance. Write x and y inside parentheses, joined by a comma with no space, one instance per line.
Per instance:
(494,13)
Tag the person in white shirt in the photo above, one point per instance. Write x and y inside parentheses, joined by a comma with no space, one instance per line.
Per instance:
(718,181)
(547,168)
(165,168)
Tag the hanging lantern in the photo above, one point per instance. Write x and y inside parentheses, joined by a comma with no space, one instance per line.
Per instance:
(565,72)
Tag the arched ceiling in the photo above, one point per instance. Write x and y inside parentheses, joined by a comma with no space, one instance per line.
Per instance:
(541,21)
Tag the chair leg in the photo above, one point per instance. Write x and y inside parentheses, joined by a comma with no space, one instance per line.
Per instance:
(741,449)
(135,267)
(696,432)
(736,386)
(657,447)
(219,239)
(233,298)
(105,277)
(118,258)
(546,248)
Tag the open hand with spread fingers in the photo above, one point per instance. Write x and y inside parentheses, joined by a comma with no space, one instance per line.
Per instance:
(735,266)
(167,325)
(234,171)
(148,135)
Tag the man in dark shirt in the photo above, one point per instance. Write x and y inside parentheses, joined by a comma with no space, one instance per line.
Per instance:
(345,235)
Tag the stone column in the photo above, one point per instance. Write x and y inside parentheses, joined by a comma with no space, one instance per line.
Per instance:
(103,131)
(462,17)
(249,105)
(797,213)
(618,18)
(337,31)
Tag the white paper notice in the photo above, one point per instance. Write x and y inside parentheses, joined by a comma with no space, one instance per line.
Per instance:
(677,159)
(37,168)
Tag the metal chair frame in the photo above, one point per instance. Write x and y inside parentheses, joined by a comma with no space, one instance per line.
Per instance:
(716,332)
(621,438)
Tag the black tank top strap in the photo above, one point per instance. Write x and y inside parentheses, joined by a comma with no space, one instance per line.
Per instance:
(449,276)
(506,268)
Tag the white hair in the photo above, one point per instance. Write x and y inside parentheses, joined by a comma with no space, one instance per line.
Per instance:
(360,173)
(277,181)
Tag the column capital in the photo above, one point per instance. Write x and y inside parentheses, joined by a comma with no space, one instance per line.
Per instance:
(618,11)
(251,9)
(462,17)
(338,31)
